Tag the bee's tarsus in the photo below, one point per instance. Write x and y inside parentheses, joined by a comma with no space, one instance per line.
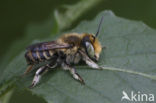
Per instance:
(41,71)
(104,47)
(80,79)
(73,72)
(31,86)
(83,83)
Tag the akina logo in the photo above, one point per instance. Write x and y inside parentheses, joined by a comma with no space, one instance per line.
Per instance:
(137,97)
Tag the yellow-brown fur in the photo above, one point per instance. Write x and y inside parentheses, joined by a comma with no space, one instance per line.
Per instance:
(75,39)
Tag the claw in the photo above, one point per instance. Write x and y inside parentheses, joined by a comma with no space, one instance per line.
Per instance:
(82,82)
(31,86)
(35,81)
(80,78)
(103,47)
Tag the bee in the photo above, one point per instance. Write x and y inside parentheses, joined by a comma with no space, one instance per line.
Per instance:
(66,51)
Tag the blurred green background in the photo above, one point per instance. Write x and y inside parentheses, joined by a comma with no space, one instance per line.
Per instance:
(16,16)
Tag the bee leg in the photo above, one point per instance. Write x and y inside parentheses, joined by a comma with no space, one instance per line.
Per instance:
(37,76)
(88,61)
(42,70)
(29,68)
(91,63)
(73,72)
(103,47)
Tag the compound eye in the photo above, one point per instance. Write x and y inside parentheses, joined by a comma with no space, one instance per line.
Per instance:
(90,49)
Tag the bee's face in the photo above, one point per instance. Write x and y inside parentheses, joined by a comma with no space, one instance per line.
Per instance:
(92,47)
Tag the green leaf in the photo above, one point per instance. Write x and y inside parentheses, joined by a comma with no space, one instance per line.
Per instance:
(6,97)
(128,62)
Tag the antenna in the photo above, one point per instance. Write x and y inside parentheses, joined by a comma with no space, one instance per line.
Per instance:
(99,27)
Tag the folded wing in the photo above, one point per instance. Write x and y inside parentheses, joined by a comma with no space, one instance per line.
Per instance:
(48,46)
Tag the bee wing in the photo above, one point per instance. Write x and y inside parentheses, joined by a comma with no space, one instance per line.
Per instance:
(48,46)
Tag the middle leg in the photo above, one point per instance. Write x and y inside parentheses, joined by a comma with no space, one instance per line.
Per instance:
(73,72)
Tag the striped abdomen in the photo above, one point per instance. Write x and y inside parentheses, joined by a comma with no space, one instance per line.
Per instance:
(33,57)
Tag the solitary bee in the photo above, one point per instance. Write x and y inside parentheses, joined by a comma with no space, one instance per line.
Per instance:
(67,50)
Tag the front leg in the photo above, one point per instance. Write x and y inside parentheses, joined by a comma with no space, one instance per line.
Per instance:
(88,61)
(73,72)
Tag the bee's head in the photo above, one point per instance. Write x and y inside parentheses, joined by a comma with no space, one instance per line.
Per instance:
(92,45)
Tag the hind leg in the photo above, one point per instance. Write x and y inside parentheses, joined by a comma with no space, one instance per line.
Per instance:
(40,72)
(29,68)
